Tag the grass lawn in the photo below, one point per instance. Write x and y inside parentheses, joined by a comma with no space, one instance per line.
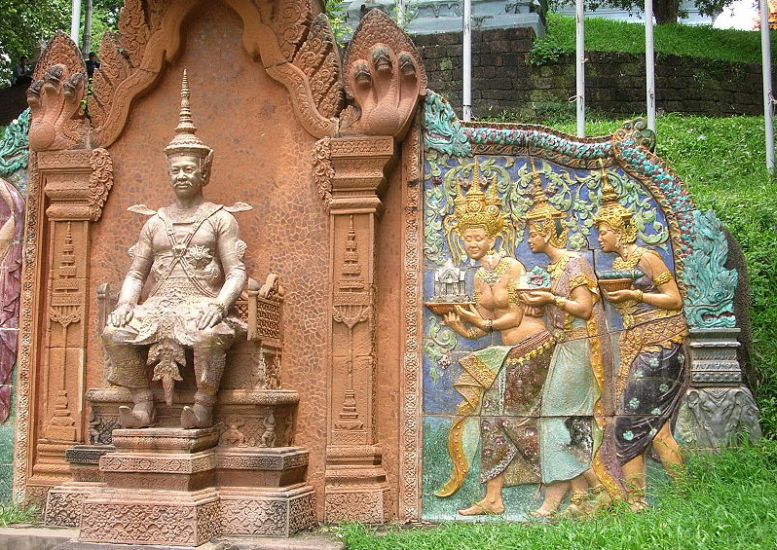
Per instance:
(726,501)
(602,35)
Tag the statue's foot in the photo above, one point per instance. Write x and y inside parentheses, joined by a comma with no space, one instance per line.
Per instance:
(484,508)
(198,416)
(142,415)
(580,506)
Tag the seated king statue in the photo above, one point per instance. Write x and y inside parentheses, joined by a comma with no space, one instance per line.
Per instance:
(192,253)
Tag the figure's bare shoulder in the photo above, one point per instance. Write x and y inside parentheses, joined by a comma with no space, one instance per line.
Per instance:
(516,267)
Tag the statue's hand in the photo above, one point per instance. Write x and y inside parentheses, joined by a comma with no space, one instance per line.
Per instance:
(122,315)
(211,316)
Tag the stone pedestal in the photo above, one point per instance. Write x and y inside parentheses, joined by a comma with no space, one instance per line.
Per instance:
(160,489)
(65,502)
(263,491)
(718,406)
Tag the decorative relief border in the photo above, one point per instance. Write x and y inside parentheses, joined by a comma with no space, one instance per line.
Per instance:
(411,426)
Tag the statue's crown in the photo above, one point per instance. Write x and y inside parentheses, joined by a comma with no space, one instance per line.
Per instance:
(186,140)
(541,209)
(612,212)
(476,209)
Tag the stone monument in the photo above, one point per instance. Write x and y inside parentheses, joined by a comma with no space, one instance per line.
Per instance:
(420,270)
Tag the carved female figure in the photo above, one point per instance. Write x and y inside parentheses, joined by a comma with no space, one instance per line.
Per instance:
(651,373)
(572,389)
(501,384)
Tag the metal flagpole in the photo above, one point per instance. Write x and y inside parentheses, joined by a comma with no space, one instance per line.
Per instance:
(766,61)
(580,66)
(650,66)
(75,24)
(467,62)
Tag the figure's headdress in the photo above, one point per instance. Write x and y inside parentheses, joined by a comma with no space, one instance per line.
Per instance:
(186,140)
(477,209)
(545,217)
(615,215)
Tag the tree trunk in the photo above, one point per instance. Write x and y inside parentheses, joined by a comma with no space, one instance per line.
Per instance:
(666,11)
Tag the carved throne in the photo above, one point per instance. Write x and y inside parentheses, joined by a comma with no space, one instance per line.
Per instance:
(241,477)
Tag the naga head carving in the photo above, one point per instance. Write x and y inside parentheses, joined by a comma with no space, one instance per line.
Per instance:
(384,79)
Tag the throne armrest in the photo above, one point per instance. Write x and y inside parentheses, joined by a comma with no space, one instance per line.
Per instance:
(265,306)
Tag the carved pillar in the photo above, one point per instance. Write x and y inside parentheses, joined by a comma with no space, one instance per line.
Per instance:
(355,479)
(76,184)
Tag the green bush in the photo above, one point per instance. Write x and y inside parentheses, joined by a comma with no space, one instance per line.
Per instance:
(545,50)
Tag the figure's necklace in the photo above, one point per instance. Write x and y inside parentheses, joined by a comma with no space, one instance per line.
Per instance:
(492,276)
(630,261)
(557,269)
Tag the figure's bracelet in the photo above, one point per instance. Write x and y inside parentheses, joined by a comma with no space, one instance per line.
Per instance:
(221,307)
(559,301)
(489,325)
(639,295)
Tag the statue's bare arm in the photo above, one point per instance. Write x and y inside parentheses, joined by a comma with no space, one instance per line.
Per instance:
(230,251)
(131,288)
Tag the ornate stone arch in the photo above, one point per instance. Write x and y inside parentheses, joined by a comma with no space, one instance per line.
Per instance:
(296,48)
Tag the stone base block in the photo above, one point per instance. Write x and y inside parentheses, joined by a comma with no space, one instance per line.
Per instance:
(252,467)
(267,512)
(64,503)
(360,503)
(127,516)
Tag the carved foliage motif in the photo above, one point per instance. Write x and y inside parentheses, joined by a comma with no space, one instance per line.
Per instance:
(384,75)
(150,523)
(291,22)
(409,490)
(114,69)
(55,96)
(14,147)
(319,59)
(253,517)
(63,508)
(322,170)
(100,181)
(711,287)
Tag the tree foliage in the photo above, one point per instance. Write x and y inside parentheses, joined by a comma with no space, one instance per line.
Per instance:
(25,26)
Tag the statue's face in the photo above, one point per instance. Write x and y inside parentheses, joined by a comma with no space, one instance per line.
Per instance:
(608,239)
(477,243)
(186,175)
(537,241)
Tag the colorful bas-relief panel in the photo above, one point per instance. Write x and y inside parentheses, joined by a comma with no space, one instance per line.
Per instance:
(556,286)
(13,190)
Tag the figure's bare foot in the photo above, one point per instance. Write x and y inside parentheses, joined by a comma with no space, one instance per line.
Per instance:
(638,504)
(579,506)
(602,500)
(198,416)
(484,508)
(142,415)
(543,513)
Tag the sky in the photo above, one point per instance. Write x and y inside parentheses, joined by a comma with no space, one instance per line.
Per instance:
(742,14)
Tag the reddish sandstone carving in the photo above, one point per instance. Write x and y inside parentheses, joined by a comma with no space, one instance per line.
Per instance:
(356,480)
(284,37)
(55,97)
(385,77)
